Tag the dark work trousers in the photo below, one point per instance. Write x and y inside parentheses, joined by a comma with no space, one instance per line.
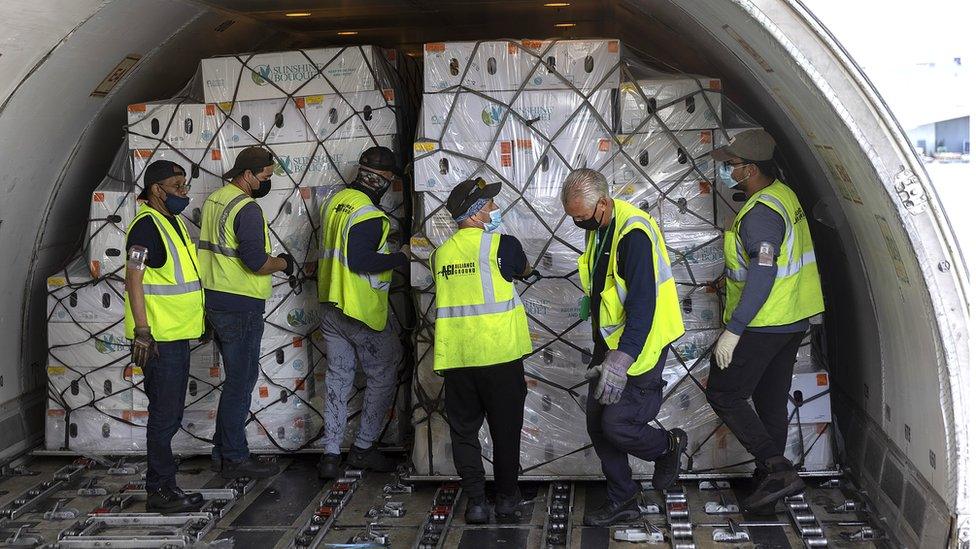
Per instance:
(165,384)
(238,336)
(761,369)
(622,429)
(470,396)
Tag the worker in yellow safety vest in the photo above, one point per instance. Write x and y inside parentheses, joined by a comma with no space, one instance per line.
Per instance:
(772,291)
(632,304)
(236,267)
(481,334)
(355,271)
(163,312)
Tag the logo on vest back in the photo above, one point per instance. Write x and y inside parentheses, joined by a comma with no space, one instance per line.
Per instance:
(344,208)
(798,215)
(457,269)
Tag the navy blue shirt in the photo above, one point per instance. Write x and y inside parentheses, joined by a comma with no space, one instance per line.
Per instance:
(249,228)
(760,224)
(635,265)
(511,258)
(364,239)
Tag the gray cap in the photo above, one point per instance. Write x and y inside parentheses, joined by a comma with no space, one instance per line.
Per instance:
(754,144)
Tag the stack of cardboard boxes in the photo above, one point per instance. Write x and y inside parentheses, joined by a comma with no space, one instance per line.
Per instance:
(316,110)
(525,113)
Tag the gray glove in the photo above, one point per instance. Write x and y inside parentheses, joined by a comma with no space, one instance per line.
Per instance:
(613,377)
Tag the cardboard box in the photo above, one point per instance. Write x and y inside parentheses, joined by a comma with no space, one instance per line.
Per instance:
(691,204)
(283,358)
(679,103)
(812,392)
(480,117)
(534,166)
(73,296)
(266,121)
(348,115)
(697,257)
(293,73)
(88,430)
(88,345)
(310,164)
(509,65)
(181,125)
(648,158)
(112,387)
(701,308)
(111,210)
(203,167)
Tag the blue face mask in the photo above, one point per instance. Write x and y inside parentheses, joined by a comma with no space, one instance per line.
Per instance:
(176,204)
(725,175)
(494,222)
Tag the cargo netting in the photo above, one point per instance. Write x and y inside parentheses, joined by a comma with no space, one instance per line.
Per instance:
(316,111)
(526,112)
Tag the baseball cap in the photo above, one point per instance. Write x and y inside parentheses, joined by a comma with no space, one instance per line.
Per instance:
(159,170)
(467,192)
(251,158)
(379,158)
(755,144)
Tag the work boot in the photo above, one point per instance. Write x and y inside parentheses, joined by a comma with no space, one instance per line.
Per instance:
(613,513)
(667,467)
(215,464)
(508,509)
(781,481)
(757,477)
(329,466)
(250,467)
(166,500)
(476,511)
(370,459)
(195,498)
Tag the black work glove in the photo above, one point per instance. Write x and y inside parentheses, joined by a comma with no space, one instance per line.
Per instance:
(290,267)
(143,347)
(534,276)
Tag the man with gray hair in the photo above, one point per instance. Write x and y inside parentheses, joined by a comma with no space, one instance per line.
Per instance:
(625,273)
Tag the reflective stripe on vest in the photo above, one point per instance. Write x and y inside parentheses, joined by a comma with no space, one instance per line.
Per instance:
(663,274)
(490,306)
(362,296)
(173,293)
(221,267)
(796,292)
(479,317)
(667,325)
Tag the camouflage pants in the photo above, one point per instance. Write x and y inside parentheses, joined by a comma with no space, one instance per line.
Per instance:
(348,343)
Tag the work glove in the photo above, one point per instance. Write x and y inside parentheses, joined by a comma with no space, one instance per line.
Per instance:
(144,346)
(725,348)
(612,377)
(290,267)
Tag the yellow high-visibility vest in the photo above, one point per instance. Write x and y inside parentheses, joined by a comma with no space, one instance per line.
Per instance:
(363,296)
(220,267)
(480,318)
(667,325)
(796,292)
(173,294)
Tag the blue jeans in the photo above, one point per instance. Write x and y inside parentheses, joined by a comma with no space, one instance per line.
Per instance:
(238,336)
(165,384)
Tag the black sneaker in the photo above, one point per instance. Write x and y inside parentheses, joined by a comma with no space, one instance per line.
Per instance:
(329,466)
(508,509)
(215,464)
(370,459)
(195,498)
(781,481)
(476,511)
(613,513)
(667,467)
(250,467)
(167,501)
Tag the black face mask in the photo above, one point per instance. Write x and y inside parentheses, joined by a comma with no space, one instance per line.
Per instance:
(263,189)
(590,224)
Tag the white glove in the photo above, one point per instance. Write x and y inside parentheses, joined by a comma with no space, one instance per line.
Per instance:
(724,349)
